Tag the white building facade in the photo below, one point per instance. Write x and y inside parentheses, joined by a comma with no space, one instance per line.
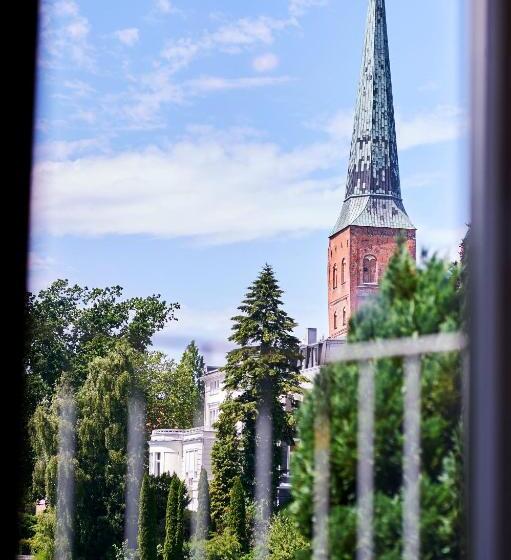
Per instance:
(186,452)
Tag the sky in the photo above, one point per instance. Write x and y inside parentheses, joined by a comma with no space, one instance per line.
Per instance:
(182,144)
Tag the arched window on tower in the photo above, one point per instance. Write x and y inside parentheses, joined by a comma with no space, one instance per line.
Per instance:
(343,271)
(344,317)
(335,320)
(369,270)
(334,276)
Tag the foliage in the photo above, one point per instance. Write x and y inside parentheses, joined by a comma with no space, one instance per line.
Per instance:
(411,301)
(172,395)
(161,486)
(203,519)
(175,520)
(67,328)
(43,541)
(260,372)
(124,552)
(147,521)
(101,449)
(237,515)
(225,461)
(223,546)
(192,366)
(284,539)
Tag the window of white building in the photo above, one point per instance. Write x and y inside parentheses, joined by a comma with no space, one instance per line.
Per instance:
(157,464)
(213,415)
(190,462)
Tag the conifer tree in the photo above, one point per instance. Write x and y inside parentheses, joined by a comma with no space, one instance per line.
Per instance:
(261,372)
(147,522)
(203,508)
(225,461)
(237,515)
(174,522)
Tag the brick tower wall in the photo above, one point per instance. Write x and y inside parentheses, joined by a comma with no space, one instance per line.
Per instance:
(346,292)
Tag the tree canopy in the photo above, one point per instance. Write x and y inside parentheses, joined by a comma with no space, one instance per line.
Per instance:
(412,300)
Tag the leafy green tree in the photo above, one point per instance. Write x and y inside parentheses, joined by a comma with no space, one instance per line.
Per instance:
(175,520)
(173,397)
(67,328)
(237,514)
(260,373)
(412,300)
(285,541)
(192,362)
(203,519)
(43,541)
(224,546)
(102,404)
(147,521)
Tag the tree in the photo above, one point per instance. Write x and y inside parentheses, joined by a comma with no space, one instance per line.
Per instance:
(203,523)
(411,301)
(225,461)
(261,372)
(67,328)
(147,522)
(237,515)
(284,539)
(161,486)
(175,520)
(43,541)
(193,364)
(102,404)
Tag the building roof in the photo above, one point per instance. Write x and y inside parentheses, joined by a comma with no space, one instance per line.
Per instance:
(373,191)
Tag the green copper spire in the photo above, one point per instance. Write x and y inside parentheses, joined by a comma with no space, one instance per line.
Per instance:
(373,191)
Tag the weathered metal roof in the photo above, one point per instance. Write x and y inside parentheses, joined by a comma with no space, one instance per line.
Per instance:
(373,191)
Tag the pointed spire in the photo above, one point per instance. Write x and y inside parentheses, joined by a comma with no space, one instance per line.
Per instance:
(373,192)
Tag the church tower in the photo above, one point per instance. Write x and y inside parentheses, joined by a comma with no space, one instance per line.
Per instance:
(372,217)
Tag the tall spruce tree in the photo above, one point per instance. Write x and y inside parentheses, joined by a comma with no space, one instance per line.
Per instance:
(237,514)
(260,373)
(203,525)
(147,522)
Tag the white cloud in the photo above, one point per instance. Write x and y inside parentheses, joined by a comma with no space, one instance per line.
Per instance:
(231,38)
(164,6)
(209,188)
(265,62)
(79,87)
(128,36)
(443,124)
(66,8)
(215,187)
(65,35)
(444,241)
(62,150)
(298,8)
(215,83)
(37,262)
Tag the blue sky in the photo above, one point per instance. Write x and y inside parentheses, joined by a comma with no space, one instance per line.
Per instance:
(180,145)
